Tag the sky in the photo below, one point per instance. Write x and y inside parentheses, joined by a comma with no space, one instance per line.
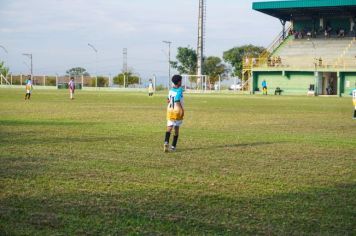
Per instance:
(57,33)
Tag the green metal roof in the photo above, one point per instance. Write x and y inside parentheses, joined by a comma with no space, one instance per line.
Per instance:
(302,4)
(291,8)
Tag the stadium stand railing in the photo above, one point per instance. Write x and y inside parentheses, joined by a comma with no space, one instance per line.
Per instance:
(308,53)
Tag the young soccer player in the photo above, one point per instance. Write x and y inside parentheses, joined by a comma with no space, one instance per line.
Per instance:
(71,86)
(264,87)
(28,88)
(175,112)
(150,89)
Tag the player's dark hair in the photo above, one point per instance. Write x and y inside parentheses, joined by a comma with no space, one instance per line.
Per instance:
(176,79)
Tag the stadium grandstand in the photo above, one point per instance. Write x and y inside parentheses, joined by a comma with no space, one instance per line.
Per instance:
(314,54)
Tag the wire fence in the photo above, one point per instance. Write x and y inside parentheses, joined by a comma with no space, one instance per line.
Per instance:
(191,83)
(62,81)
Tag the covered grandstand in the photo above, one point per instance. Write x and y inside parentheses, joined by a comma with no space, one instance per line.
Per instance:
(314,54)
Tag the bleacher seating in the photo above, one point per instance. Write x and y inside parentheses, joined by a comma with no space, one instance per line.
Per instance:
(305,52)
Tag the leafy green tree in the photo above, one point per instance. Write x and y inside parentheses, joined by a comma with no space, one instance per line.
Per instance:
(213,67)
(3,69)
(77,71)
(236,55)
(186,61)
(102,81)
(130,79)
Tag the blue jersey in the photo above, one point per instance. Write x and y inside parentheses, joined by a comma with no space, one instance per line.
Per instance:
(264,84)
(175,95)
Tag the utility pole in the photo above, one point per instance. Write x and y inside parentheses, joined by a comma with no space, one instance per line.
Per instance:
(29,55)
(124,65)
(169,62)
(201,37)
(96,63)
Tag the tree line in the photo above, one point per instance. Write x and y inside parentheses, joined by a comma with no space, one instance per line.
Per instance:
(213,66)
(186,63)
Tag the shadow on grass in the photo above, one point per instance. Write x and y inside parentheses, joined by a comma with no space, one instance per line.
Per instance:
(43,123)
(22,167)
(324,211)
(236,145)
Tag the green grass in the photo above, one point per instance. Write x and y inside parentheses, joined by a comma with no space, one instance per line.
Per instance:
(245,165)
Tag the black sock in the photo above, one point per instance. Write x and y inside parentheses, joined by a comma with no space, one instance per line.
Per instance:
(168,135)
(175,140)
(355,114)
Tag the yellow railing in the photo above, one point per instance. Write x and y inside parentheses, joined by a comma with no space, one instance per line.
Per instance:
(262,59)
(341,59)
(310,63)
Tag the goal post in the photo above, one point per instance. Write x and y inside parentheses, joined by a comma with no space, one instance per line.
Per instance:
(195,82)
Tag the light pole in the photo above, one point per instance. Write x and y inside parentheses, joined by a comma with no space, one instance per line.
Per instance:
(169,62)
(96,63)
(28,67)
(29,55)
(5,50)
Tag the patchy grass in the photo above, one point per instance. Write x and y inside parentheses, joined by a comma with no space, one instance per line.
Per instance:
(253,165)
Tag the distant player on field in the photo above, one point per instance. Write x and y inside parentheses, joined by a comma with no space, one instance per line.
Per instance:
(28,88)
(264,87)
(150,89)
(175,112)
(71,86)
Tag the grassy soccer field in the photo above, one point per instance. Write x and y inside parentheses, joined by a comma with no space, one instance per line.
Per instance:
(245,165)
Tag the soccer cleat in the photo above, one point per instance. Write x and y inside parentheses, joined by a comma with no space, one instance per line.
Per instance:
(165,147)
(173,149)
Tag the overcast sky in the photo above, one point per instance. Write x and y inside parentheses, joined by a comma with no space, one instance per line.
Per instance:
(57,32)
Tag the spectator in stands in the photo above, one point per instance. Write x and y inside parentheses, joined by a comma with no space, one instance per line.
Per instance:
(278,61)
(329,29)
(341,33)
(247,61)
(291,32)
(309,34)
(269,61)
(254,62)
(320,62)
(329,89)
(300,35)
(353,30)
(274,61)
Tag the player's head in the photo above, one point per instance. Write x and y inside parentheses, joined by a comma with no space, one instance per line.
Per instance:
(72,78)
(29,77)
(177,80)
